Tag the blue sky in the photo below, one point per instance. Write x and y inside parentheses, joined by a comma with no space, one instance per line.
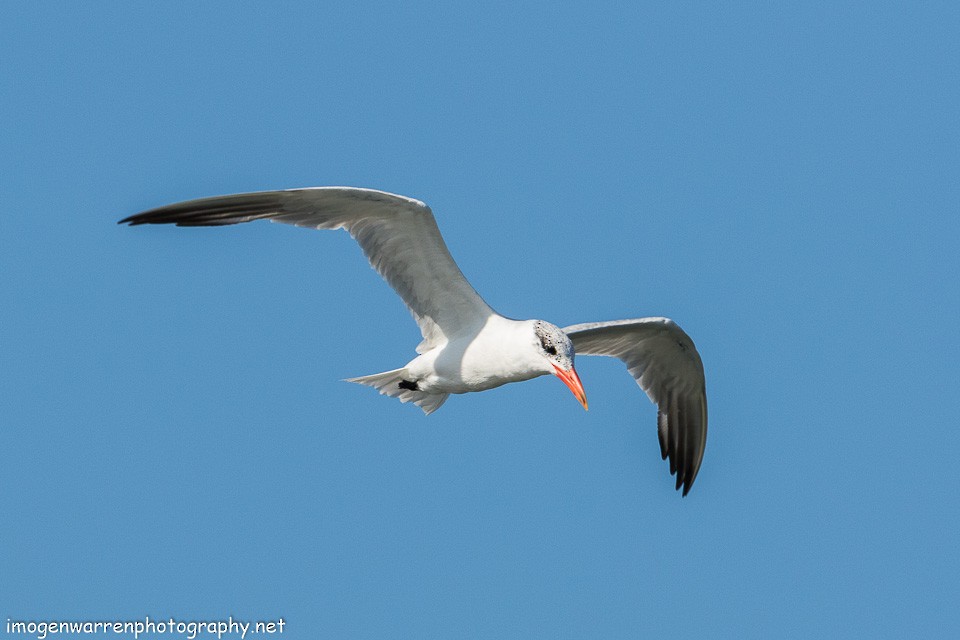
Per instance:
(782,181)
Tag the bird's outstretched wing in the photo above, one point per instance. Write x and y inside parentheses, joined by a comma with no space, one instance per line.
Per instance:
(664,362)
(397,234)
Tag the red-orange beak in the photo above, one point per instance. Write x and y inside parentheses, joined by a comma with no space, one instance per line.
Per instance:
(572,380)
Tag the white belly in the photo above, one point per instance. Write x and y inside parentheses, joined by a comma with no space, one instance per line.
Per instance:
(500,353)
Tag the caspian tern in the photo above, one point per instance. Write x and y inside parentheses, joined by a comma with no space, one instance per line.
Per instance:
(467,346)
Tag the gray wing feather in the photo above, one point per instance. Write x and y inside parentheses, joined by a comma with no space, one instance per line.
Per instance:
(398,235)
(666,365)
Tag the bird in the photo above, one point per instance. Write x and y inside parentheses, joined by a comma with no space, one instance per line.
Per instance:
(466,345)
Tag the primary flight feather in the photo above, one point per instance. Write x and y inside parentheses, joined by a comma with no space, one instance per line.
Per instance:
(467,346)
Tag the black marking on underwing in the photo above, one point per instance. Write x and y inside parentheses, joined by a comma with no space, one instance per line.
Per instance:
(407,384)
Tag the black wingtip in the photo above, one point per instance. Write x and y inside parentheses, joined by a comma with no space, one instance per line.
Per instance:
(144,217)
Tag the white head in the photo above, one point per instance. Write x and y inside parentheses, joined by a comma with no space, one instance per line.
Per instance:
(557,351)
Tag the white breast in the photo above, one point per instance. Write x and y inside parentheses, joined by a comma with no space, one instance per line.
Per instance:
(501,351)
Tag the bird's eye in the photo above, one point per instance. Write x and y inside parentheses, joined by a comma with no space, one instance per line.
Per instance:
(552,350)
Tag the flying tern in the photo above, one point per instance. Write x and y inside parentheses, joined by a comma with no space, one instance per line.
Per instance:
(467,346)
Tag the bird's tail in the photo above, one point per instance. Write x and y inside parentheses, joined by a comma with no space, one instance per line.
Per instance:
(396,384)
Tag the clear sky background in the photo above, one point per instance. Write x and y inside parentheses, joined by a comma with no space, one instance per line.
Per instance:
(782,180)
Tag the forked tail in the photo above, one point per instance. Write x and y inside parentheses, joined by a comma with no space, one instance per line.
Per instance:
(396,384)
